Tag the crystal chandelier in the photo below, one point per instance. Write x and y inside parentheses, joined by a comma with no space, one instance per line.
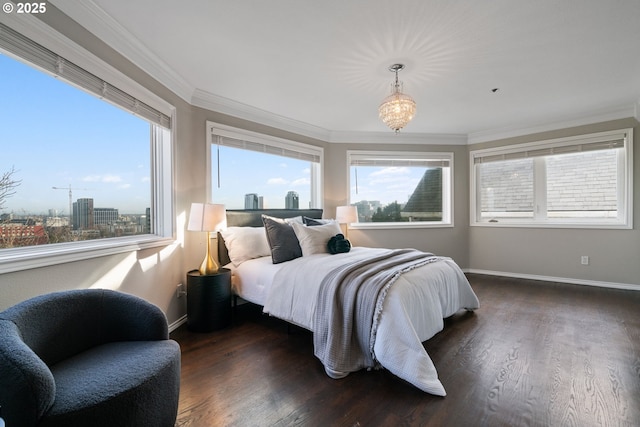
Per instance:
(397,109)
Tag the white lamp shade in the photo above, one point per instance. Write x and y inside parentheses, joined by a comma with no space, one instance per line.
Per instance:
(207,217)
(346,214)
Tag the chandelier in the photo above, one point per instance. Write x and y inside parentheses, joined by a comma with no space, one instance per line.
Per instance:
(397,109)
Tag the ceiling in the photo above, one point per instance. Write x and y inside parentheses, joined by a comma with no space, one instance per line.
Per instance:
(474,68)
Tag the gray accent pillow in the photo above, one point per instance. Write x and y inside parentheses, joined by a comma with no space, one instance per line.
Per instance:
(282,240)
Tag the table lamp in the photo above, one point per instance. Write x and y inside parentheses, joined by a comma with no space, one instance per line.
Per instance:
(207,217)
(346,215)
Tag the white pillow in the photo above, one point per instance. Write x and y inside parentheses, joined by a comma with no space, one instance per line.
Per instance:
(314,239)
(245,243)
(297,219)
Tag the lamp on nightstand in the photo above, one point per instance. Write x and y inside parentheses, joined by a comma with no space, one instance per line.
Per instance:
(207,217)
(346,215)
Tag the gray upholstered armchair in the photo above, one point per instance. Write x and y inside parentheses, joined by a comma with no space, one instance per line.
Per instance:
(91,357)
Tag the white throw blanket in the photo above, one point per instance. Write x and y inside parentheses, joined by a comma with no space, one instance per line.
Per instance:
(350,300)
(413,310)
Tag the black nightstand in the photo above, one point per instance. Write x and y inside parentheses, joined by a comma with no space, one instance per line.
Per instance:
(208,300)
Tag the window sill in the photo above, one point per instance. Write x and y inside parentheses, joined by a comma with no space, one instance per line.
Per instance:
(508,224)
(397,225)
(20,259)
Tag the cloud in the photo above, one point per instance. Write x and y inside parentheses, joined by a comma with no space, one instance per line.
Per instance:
(391,175)
(391,171)
(277,181)
(124,186)
(102,178)
(111,178)
(301,182)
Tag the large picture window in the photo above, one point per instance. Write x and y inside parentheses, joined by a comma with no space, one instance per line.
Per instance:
(582,181)
(255,171)
(85,166)
(401,189)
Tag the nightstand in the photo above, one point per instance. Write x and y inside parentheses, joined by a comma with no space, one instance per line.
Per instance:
(208,300)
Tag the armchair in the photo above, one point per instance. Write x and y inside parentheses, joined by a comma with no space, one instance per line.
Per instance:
(91,357)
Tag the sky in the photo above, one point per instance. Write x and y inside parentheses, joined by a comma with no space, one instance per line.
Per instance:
(55,135)
(269,176)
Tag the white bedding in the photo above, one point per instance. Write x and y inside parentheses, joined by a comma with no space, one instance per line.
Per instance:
(413,310)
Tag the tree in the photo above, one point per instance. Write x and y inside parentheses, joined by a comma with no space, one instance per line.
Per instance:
(390,213)
(8,185)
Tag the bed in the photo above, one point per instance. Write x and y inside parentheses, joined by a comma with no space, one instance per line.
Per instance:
(413,292)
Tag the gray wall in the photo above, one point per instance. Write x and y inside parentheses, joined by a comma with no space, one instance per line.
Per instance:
(153,274)
(614,254)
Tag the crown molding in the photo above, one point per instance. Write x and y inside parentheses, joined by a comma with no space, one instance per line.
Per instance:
(219,104)
(391,137)
(115,35)
(102,25)
(43,34)
(615,113)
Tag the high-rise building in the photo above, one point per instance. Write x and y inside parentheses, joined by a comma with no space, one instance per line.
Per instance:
(83,218)
(147,222)
(251,201)
(103,216)
(292,200)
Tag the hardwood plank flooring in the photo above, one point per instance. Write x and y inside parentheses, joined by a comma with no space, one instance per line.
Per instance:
(534,354)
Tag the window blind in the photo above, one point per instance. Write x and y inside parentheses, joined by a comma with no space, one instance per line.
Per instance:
(25,48)
(593,144)
(386,161)
(284,151)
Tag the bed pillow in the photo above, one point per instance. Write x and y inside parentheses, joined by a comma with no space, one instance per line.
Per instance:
(315,221)
(299,219)
(245,243)
(282,240)
(313,240)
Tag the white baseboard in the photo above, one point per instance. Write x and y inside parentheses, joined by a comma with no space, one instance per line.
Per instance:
(175,325)
(613,285)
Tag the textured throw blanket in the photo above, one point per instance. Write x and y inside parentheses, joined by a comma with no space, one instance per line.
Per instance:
(349,304)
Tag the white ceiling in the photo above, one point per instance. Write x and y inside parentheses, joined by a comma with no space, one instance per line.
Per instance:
(322,66)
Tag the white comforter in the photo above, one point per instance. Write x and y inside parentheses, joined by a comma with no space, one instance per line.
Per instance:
(413,310)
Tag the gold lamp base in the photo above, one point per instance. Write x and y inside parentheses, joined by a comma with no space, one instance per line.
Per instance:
(209,265)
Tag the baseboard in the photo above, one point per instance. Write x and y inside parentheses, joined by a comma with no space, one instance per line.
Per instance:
(175,325)
(612,285)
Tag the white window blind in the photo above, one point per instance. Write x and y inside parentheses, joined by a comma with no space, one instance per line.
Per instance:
(579,181)
(385,160)
(278,150)
(26,49)
(602,142)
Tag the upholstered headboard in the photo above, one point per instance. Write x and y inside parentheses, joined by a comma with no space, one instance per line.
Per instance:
(253,218)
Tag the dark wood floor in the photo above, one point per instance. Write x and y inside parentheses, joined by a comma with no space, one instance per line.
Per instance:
(534,354)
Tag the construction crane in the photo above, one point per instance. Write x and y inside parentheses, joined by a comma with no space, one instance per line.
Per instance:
(70,199)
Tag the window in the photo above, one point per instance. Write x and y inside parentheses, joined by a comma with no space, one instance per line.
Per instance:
(401,189)
(83,176)
(255,171)
(582,181)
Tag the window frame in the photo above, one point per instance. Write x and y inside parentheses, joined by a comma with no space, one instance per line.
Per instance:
(214,129)
(447,193)
(541,219)
(162,198)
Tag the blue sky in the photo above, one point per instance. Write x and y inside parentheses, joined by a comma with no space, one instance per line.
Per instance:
(56,135)
(270,176)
